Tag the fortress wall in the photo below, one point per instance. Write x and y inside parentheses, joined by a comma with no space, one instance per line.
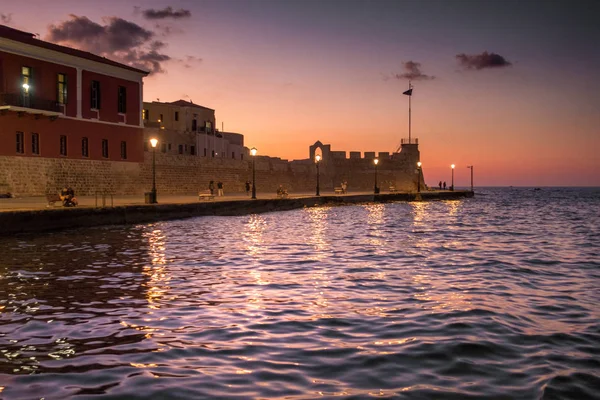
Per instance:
(186,174)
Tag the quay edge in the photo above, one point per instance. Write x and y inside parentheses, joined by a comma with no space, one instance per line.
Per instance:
(31,221)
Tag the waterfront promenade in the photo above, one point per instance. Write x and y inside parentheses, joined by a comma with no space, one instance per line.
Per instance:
(32,214)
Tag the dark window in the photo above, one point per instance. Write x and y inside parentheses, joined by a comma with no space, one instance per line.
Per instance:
(124,150)
(95,93)
(84,147)
(204,152)
(169,146)
(122,100)
(105,148)
(193,150)
(20,143)
(160,119)
(233,154)
(213,153)
(61,86)
(176,115)
(180,149)
(35,143)
(163,147)
(194,125)
(63,145)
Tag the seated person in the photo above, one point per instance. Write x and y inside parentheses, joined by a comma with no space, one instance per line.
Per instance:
(67,195)
(281,191)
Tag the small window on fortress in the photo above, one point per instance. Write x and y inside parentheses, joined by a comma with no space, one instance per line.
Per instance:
(193,150)
(122,100)
(105,148)
(95,95)
(63,145)
(124,150)
(35,143)
(20,143)
(176,115)
(84,147)
(180,149)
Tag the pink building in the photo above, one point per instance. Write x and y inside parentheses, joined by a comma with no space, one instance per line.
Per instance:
(60,102)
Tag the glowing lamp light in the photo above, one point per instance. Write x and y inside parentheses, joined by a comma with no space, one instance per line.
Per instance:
(25,86)
(153,142)
(317,158)
(452,166)
(253,151)
(419,164)
(376,161)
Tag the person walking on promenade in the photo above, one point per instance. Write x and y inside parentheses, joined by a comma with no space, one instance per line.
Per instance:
(220,188)
(444,185)
(440,185)
(247,188)
(211,187)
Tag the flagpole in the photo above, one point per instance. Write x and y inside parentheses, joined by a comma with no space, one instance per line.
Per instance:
(409,99)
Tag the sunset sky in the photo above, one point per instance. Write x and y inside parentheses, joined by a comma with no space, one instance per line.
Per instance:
(512,87)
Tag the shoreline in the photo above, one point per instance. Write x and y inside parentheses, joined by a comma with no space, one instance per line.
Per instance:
(14,221)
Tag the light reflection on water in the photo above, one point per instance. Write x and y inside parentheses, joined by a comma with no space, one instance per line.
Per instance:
(489,297)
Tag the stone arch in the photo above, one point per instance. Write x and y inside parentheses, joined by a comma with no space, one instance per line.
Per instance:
(325,151)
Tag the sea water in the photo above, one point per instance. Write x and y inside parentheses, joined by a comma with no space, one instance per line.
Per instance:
(494,297)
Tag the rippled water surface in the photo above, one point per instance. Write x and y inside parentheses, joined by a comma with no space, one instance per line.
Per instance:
(492,297)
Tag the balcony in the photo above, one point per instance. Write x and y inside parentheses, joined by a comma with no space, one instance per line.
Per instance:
(30,101)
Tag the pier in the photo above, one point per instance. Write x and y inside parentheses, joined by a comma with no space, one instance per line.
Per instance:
(33,215)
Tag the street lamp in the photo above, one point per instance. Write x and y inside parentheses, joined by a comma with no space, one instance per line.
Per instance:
(253,153)
(452,187)
(376,189)
(419,178)
(317,160)
(471,168)
(153,142)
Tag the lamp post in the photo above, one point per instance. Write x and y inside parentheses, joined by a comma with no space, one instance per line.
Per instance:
(471,168)
(253,153)
(375,188)
(317,160)
(419,178)
(452,187)
(153,142)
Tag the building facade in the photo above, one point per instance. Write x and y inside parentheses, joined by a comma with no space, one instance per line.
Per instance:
(185,128)
(59,102)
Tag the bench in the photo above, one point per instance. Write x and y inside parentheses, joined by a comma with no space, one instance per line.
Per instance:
(206,195)
(52,198)
(393,189)
(338,190)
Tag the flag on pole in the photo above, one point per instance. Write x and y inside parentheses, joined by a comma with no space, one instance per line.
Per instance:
(408,92)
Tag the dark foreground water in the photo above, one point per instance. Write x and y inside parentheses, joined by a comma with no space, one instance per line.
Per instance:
(493,297)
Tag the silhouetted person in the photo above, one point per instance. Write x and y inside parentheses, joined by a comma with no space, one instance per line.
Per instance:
(440,185)
(220,188)
(247,188)
(444,185)
(67,195)
(211,187)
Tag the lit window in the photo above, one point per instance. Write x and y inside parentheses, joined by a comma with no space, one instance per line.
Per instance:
(26,79)
(61,85)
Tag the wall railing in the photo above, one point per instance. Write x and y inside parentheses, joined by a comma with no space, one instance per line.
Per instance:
(28,101)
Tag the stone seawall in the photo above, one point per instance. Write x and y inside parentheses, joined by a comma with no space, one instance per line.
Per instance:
(12,222)
(185,174)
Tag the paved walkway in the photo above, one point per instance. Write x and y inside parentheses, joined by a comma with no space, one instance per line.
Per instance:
(39,202)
